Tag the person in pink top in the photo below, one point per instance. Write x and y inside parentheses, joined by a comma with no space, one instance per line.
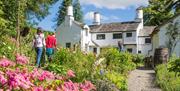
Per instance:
(50,45)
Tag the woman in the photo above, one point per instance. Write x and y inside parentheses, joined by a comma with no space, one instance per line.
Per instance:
(38,44)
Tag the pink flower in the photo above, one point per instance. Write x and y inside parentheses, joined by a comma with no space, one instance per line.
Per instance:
(46,75)
(6,63)
(70,86)
(21,59)
(87,86)
(70,73)
(38,88)
(3,80)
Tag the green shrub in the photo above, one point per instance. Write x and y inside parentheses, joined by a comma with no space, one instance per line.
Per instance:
(118,61)
(118,79)
(167,80)
(80,63)
(174,66)
(59,69)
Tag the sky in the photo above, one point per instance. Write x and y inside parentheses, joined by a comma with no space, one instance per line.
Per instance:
(110,11)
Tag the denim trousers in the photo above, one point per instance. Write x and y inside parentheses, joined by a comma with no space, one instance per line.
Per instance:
(39,51)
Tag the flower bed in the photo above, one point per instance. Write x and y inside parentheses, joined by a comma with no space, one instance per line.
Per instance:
(19,76)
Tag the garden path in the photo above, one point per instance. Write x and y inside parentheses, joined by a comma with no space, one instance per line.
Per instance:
(142,79)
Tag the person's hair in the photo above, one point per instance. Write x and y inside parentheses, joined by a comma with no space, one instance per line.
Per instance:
(39,30)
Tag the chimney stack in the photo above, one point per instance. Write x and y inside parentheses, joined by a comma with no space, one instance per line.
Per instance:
(70,11)
(139,15)
(97,18)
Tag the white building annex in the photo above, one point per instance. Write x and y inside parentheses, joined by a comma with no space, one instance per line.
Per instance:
(134,36)
(160,37)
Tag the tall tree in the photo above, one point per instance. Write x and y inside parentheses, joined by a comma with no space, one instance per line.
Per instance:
(78,14)
(29,9)
(159,11)
(62,11)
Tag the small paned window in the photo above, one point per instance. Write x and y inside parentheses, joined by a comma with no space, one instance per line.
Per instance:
(147,40)
(117,36)
(100,36)
(130,50)
(68,45)
(128,34)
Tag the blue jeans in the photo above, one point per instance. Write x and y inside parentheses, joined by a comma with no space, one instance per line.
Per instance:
(39,51)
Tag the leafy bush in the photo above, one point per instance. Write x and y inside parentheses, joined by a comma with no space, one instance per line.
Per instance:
(118,79)
(138,59)
(168,80)
(118,61)
(59,69)
(174,65)
(77,61)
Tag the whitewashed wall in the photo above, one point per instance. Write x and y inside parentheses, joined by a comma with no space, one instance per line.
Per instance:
(108,41)
(85,38)
(129,40)
(163,38)
(144,47)
(68,33)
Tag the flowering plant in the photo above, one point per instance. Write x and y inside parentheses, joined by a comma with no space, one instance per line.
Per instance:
(14,78)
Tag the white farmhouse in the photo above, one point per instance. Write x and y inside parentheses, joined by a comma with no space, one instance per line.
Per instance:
(160,37)
(134,36)
(71,33)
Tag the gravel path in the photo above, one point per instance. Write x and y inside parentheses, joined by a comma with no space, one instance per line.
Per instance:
(142,80)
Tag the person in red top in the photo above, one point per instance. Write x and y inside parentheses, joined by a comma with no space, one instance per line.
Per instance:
(50,45)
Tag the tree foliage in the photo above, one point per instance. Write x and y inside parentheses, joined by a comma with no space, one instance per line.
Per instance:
(78,15)
(62,11)
(28,10)
(2,20)
(159,11)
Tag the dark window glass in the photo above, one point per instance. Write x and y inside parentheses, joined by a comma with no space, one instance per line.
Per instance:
(139,51)
(95,50)
(128,34)
(129,50)
(100,36)
(117,35)
(68,45)
(147,40)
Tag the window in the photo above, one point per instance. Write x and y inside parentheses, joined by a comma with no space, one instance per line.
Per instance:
(68,45)
(128,34)
(100,36)
(147,40)
(129,50)
(117,35)
(139,52)
(95,50)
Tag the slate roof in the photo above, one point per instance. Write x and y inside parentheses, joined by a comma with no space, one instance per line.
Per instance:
(115,27)
(146,31)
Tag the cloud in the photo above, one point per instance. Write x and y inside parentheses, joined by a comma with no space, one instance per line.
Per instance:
(114,4)
(89,16)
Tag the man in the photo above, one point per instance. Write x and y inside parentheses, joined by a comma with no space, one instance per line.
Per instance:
(50,45)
